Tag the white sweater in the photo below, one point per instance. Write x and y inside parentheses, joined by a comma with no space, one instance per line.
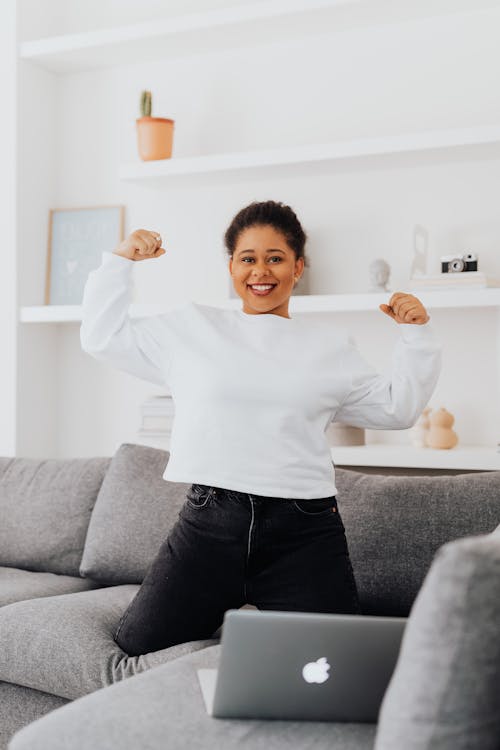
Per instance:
(254,394)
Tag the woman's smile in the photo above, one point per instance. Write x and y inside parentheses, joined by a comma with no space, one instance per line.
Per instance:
(261,290)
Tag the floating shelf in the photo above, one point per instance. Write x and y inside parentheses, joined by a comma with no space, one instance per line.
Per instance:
(448,298)
(459,298)
(467,457)
(458,138)
(185,34)
(252,24)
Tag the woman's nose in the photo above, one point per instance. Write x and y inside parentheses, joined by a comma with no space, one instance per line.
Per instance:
(260,266)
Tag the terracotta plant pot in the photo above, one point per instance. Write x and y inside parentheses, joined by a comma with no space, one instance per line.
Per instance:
(154,137)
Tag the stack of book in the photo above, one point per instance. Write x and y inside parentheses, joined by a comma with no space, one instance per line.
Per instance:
(157,416)
(461,280)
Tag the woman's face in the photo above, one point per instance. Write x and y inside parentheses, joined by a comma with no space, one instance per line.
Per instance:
(262,256)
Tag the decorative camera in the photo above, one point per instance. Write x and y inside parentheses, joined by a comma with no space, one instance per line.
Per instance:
(457,263)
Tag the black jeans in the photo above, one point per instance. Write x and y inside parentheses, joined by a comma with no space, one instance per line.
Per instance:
(230,548)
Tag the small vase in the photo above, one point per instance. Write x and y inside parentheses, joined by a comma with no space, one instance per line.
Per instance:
(440,434)
(154,137)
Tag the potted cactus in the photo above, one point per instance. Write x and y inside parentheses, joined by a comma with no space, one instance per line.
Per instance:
(154,134)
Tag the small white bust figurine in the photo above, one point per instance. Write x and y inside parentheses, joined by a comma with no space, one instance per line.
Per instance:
(379,271)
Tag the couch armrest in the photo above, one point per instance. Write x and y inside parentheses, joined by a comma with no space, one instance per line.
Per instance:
(444,690)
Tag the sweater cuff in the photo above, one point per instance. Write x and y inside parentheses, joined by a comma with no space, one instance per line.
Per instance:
(109,258)
(414,332)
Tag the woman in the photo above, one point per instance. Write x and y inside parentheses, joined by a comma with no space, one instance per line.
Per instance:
(254,391)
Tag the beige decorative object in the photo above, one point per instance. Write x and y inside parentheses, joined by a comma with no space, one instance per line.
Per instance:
(344,434)
(418,433)
(440,434)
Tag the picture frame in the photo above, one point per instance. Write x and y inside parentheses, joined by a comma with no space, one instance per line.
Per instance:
(76,241)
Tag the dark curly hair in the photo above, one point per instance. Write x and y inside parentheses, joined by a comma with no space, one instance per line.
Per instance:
(267,213)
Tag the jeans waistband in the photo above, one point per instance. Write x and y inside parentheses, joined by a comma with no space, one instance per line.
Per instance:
(245,496)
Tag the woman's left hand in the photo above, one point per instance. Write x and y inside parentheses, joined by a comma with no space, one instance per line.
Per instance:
(405,308)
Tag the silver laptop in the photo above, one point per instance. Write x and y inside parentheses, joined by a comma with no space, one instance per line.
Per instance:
(301,665)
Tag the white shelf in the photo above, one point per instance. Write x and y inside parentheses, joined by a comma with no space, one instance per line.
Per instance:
(457,138)
(180,35)
(448,298)
(468,457)
(299,303)
(258,22)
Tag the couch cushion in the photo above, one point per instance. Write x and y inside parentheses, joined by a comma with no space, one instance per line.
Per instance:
(395,525)
(164,708)
(17,585)
(134,511)
(64,644)
(45,507)
(444,689)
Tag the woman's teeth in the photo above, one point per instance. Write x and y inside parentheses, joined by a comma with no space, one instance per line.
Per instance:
(261,289)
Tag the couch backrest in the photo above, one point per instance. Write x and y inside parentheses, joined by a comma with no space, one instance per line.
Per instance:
(133,514)
(45,508)
(395,525)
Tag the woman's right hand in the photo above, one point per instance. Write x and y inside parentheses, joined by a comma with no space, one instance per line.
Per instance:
(141,245)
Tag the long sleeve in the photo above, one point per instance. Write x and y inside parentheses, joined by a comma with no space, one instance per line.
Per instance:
(394,400)
(139,347)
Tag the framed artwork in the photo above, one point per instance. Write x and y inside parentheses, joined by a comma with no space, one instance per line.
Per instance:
(77,239)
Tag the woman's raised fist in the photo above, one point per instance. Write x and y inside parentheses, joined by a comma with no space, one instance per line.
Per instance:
(141,245)
(406,308)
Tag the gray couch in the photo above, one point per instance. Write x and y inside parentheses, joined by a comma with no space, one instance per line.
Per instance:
(77,536)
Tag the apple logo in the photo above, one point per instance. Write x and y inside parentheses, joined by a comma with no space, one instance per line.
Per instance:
(316,671)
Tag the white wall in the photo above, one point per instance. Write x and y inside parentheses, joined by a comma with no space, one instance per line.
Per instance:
(432,73)
(8,229)
(37,377)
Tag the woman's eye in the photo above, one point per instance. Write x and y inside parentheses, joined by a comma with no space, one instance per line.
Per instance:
(274,257)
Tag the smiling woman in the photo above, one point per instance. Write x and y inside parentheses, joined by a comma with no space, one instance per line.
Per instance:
(265,242)
(254,392)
